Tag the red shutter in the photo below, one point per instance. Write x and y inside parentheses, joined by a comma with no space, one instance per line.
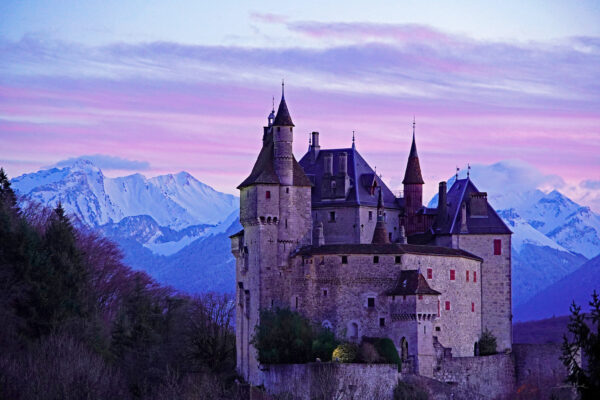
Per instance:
(429,273)
(452,276)
(447,306)
(268,194)
(467,276)
(497,247)
(420,297)
(472,307)
(474,276)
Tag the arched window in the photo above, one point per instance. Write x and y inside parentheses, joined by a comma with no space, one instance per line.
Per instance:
(403,349)
(353,331)
(326,324)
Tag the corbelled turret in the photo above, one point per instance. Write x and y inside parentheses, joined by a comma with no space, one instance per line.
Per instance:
(380,236)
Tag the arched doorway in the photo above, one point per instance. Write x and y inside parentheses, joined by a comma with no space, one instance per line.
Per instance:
(403,349)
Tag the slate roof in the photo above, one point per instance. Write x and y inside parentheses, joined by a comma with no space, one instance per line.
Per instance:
(283,117)
(264,171)
(411,282)
(361,178)
(392,248)
(412,175)
(461,192)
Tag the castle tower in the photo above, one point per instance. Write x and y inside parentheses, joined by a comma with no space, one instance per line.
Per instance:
(275,214)
(413,188)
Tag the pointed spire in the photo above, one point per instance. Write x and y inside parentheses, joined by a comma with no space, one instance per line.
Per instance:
(413,168)
(353,141)
(380,235)
(283,117)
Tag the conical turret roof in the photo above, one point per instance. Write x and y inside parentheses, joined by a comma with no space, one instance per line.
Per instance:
(413,168)
(283,117)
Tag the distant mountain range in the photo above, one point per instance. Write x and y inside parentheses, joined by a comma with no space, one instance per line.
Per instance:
(176,228)
(172,226)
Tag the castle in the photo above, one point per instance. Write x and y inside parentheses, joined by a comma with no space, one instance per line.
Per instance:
(325,236)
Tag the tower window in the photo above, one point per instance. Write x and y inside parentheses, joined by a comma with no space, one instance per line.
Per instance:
(467,276)
(375,259)
(324,292)
(344,259)
(452,275)
(331,216)
(371,302)
(398,259)
(447,306)
(497,247)
(438,329)
(472,307)
(429,273)
(268,194)
(474,276)
(382,322)
(370,215)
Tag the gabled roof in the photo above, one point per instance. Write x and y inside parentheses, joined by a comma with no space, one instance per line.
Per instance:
(411,282)
(461,192)
(361,175)
(264,170)
(412,175)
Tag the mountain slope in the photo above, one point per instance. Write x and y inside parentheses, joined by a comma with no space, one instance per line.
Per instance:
(578,286)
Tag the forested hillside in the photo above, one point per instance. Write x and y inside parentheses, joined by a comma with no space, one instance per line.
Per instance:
(76,323)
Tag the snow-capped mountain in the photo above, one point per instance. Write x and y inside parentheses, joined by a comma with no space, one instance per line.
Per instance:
(175,201)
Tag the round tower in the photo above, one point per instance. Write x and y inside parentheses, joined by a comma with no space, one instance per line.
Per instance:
(283,139)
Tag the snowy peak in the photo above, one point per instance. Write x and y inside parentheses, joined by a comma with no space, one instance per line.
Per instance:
(174,201)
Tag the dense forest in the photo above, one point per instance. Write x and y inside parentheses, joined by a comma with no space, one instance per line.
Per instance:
(75,322)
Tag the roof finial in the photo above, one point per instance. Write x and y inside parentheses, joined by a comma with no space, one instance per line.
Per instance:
(352,139)
(282,88)
(414,123)
(457,169)
(273,98)
(468,170)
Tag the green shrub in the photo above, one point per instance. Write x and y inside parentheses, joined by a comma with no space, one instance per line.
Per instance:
(409,391)
(283,337)
(324,345)
(345,352)
(386,350)
(487,343)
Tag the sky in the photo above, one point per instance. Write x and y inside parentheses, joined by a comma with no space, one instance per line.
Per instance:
(158,87)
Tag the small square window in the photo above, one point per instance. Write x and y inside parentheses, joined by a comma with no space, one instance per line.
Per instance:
(467,276)
(375,259)
(398,259)
(344,259)
(331,216)
(447,306)
(381,322)
(474,276)
(268,194)
(438,329)
(420,297)
(324,292)
(452,275)
(371,302)
(429,273)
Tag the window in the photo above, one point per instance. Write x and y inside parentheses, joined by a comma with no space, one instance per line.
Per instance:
(467,276)
(397,259)
(382,322)
(497,247)
(268,194)
(420,297)
(390,236)
(331,216)
(324,292)
(438,329)
(447,306)
(429,273)
(472,307)
(375,259)
(296,302)
(474,276)
(371,302)
(344,259)
(384,216)
(438,308)
(370,215)
(452,275)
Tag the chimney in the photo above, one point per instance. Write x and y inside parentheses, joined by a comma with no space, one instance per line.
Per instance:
(314,147)
(442,204)
(402,238)
(343,164)
(463,218)
(328,164)
(319,236)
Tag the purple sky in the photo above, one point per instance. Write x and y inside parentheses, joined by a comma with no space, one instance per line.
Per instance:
(159,106)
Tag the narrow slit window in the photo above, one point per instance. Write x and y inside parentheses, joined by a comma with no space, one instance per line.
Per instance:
(452,275)
(429,273)
(475,276)
(467,276)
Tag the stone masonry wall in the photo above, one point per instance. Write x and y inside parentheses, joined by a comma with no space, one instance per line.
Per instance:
(331,380)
